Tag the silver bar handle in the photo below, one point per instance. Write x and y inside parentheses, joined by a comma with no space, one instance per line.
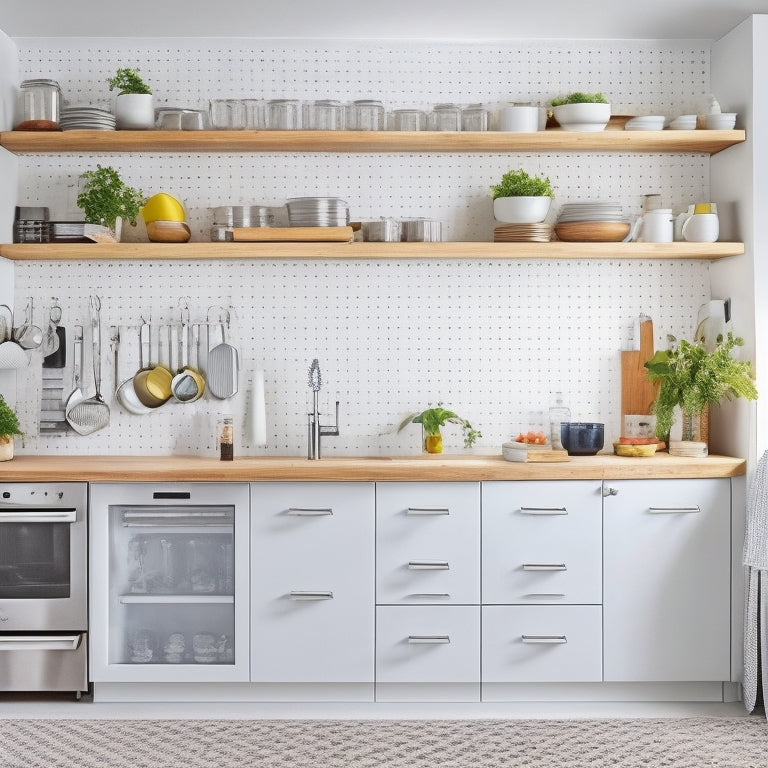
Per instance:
(544,567)
(432,595)
(309,511)
(40,642)
(543,511)
(545,639)
(310,594)
(674,510)
(40,516)
(428,565)
(429,639)
(427,511)
(545,595)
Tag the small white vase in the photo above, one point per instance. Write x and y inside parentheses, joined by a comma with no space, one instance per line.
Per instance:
(6,447)
(134,111)
(521,210)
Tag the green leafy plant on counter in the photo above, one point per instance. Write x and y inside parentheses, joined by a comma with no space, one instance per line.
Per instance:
(577,97)
(521,184)
(9,422)
(432,419)
(692,378)
(105,197)
(128,81)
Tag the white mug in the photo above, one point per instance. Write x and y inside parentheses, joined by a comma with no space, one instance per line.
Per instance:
(520,119)
(701,228)
(657,226)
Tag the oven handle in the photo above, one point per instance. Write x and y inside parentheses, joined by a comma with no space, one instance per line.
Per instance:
(39,515)
(40,642)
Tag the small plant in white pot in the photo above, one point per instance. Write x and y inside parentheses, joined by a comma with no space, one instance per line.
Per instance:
(107,200)
(134,107)
(582,111)
(520,198)
(9,427)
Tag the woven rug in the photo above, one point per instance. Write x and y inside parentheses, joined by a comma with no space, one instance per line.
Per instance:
(641,743)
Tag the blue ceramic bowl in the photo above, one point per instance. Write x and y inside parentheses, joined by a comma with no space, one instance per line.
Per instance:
(582,438)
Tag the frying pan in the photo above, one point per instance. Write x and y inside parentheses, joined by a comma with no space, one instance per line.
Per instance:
(222,368)
(152,383)
(125,392)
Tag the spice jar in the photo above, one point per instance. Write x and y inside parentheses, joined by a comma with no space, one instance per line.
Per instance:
(39,105)
(226,438)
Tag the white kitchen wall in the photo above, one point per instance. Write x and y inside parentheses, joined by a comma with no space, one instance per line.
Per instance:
(491,339)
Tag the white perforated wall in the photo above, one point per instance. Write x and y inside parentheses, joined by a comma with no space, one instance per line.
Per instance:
(492,339)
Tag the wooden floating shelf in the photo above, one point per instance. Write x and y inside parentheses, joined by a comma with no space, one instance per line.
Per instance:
(392,251)
(551,140)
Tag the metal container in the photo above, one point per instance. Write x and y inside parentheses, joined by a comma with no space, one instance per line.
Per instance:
(38,106)
(422,231)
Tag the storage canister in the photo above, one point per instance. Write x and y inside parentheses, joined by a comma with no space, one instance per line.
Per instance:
(39,106)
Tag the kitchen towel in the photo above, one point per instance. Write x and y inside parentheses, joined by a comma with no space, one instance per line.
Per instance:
(756,595)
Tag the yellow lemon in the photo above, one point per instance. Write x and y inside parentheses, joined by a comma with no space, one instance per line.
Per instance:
(162,207)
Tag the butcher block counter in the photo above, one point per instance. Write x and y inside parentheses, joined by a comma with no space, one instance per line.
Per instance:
(33,468)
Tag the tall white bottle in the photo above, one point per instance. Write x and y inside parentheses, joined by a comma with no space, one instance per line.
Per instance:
(558,413)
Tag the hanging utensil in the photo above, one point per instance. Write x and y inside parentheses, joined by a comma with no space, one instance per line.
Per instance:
(188,384)
(28,335)
(152,390)
(11,354)
(125,392)
(77,395)
(222,367)
(51,339)
(92,413)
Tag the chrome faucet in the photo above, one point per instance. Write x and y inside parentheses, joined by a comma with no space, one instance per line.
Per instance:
(315,430)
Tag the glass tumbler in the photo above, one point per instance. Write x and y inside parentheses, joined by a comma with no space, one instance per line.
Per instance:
(283,114)
(255,114)
(323,115)
(227,114)
(409,120)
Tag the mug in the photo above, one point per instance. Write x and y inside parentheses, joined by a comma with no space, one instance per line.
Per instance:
(657,226)
(701,228)
(519,119)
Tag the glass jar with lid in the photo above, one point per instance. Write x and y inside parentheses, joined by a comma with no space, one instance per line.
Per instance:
(445,117)
(323,115)
(366,115)
(38,106)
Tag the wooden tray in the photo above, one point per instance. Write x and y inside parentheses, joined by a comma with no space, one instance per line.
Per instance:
(292,234)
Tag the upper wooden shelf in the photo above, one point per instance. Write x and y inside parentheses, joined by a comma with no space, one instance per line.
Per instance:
(395,251)
(551,140)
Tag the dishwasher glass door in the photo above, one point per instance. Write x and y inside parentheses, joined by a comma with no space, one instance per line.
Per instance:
(174,601)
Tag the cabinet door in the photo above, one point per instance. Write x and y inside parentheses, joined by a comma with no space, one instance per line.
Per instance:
(312,582)
(428,543)
(667,580)
(542,542)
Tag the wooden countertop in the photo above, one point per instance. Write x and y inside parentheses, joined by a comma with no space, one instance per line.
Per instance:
(33,468)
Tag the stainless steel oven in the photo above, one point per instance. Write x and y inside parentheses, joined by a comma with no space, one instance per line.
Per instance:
(43,587)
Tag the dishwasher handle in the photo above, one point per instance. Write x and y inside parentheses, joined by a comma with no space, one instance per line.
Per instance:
(40,642)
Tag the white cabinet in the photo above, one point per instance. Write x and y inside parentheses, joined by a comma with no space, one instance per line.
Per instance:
(428,543)
(667,580)
(312,582)
(542,542)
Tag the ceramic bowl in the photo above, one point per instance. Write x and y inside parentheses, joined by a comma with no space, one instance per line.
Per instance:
(521,210)
(582,117)
(582,438)
(722,122)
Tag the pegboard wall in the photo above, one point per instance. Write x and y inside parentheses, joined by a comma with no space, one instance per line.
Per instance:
(492,339)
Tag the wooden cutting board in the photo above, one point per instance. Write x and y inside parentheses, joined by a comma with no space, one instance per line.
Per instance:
(637,393)
(292,234)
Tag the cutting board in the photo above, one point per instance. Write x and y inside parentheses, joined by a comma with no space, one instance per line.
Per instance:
(292,234)
(637,393)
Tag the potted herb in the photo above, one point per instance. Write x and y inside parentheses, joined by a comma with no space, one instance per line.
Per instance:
(432,419)
(692,378)
(106,199)
(9,426)
(580,111)
(134,109)
(520,198)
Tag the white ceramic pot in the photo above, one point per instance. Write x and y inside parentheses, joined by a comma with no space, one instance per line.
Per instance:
(134,111)
(583,117)
(6,447)
(521,210)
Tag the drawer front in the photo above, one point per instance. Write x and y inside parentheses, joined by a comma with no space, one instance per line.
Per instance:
(542,643)
(428,543)
(542,542)
(427,644)
(312,582)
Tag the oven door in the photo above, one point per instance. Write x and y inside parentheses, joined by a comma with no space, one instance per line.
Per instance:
(43,566)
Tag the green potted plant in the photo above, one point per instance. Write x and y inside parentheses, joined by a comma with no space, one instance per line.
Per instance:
(9,426)
(580,111)
(432,419)
(106,199)
(134,108)
(692,378)
(520,198)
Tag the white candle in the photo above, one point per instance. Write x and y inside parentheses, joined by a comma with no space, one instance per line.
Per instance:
(258,414)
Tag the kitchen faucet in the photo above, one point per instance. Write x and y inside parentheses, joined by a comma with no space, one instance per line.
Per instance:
(315,429)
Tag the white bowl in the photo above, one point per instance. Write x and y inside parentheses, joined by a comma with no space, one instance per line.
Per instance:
(582,117)
(723,122)
(521,210)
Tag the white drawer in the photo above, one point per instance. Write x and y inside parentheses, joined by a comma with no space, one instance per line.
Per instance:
(428,543)
(542,542)
(542,643)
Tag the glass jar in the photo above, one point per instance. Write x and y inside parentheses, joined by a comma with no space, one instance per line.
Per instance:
(39,106)
(366,115)
(445,117)
(226,438)
(283,114)
(323,115)
(409,120)
(474,117)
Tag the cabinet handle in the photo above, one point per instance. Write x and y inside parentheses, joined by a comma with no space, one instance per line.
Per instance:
(545,639)
(427,511)
(432,595)
(543,511)
(429,639)
(544,567)
(608,491)
(428,565)
(309,594)
(309,511)
(545,595)
(674,510)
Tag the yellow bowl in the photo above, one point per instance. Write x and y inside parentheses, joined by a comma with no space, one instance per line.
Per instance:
(162,207)
(626,449)
(168,232)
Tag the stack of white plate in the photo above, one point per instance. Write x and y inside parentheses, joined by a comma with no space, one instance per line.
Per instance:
(86,118)
(590,211)
(683,123)
(317,212)
(523,233)
(646,123)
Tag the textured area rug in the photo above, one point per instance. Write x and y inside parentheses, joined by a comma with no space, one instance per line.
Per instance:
(642,743)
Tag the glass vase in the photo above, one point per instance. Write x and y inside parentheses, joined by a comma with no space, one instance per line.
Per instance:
(433,443)
(695,426)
